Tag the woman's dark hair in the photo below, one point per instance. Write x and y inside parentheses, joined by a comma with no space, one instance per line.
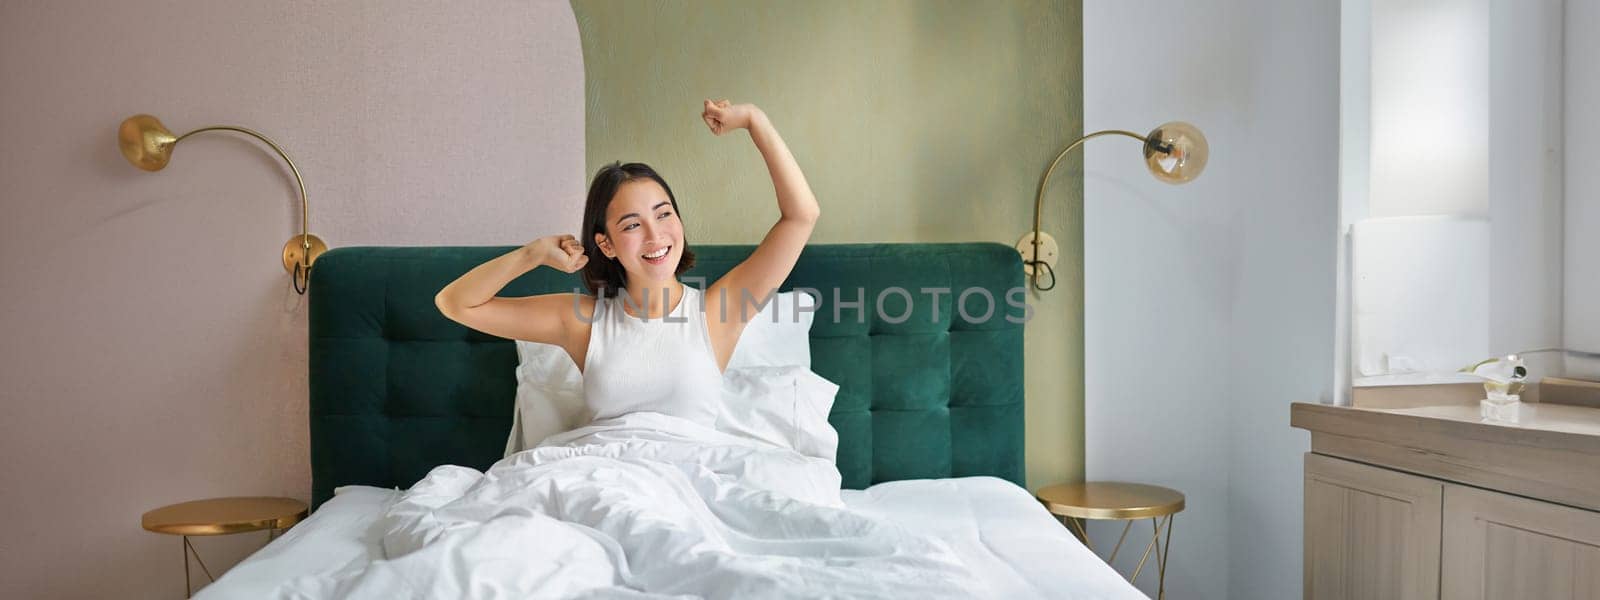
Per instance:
(605,276)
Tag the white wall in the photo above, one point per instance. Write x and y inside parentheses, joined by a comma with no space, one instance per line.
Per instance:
(1283,293)
(1525,172)
(1209,307)
(1581,324)
(1355,173)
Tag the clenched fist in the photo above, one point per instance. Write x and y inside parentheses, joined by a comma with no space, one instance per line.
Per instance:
(562,252)
(722,116)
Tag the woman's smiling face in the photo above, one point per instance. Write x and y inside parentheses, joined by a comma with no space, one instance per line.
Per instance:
(643,232)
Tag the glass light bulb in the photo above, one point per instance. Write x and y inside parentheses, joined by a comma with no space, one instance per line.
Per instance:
(1176,152)
(145,142)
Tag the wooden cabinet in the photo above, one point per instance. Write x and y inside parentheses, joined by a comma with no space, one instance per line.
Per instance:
(1424,499)
(1502,546)
(1372,532)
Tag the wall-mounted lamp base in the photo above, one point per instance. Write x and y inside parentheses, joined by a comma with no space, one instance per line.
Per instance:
(294,250)
(1049,252)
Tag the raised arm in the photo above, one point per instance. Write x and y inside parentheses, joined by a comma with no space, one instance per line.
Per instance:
(769,265)
(470,300)
(774,258)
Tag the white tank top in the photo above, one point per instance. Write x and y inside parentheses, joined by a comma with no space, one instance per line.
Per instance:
(662,365)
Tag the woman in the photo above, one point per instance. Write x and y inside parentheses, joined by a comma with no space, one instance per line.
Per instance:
(644,341)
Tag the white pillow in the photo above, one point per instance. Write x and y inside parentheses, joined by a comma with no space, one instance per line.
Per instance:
(549,396)
(779,335)
(550,387)
(784,406)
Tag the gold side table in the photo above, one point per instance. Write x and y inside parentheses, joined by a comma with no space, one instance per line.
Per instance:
(222,516)
(1110,500)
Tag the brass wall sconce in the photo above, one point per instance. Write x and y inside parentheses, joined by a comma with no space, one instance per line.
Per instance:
(1175,152)
(148,144)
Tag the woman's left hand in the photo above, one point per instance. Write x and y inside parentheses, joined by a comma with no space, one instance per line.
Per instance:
(722,116)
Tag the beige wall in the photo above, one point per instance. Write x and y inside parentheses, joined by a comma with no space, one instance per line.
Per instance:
(914,122)
(153,351)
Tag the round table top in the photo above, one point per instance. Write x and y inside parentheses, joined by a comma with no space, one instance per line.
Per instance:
(218,516)
(1110,500)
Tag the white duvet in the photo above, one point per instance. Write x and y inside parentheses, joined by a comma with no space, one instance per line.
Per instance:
(643,506)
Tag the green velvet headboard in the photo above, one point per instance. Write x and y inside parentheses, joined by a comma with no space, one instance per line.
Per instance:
(397,389)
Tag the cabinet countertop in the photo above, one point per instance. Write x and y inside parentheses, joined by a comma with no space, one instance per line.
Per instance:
(1551,453)
(1558,418)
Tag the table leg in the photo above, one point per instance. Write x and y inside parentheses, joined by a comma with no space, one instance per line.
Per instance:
(188,592)
(1079,530)
(1161,561)
(1156,531)
(1154,542)
(189,549)
(1125,527)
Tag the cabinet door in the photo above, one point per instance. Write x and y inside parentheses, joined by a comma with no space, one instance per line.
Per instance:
(1502,546)
(1370,532)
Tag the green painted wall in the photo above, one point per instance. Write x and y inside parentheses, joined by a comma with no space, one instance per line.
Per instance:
(914,122)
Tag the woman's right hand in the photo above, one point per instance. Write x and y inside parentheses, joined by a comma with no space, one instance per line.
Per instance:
(562,252)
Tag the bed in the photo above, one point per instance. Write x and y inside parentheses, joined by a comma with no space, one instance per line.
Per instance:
(929,410)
